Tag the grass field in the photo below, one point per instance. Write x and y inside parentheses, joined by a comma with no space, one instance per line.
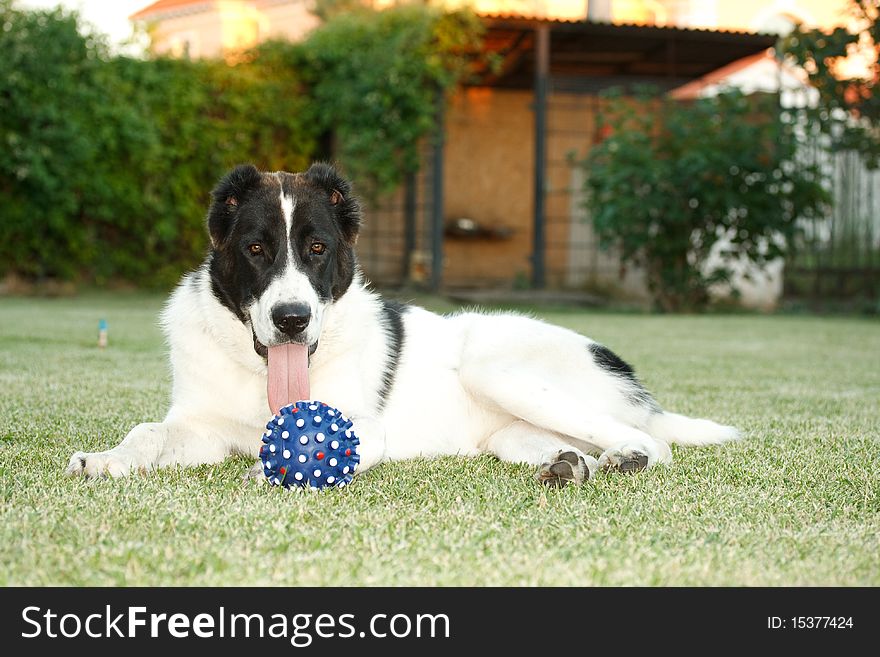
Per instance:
(796,503)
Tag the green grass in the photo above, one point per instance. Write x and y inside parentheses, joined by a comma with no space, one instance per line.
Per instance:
(795,503)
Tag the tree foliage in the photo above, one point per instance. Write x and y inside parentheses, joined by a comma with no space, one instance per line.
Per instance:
(376,79)
(848,110)
(181,125)
(49,74)
(674,182)
(107,160)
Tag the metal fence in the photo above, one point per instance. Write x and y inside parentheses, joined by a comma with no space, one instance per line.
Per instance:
(838,255)
(574,259)
(395,242)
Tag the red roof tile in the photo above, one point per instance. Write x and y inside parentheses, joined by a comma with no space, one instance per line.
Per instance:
(163,6)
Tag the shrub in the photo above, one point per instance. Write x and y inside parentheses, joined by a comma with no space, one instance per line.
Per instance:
(673,179)
(376,78)
(848,108)
(109,160)
(49,76)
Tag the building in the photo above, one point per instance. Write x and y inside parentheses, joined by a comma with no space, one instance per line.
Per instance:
(525,123)
(213,28)
(209,28)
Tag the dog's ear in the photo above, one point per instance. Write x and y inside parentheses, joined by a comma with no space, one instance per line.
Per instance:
(225,200)
(342,200)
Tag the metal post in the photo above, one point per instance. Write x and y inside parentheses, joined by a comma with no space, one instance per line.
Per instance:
(409,225)
(671,60)
(437,197)
(542,75)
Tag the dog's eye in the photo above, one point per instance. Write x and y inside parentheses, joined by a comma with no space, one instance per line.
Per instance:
(317,248)
(256,249)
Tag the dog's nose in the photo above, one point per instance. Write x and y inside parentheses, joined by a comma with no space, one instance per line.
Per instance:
(291,318)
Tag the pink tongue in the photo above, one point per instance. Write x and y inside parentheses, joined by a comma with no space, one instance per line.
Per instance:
(288,375)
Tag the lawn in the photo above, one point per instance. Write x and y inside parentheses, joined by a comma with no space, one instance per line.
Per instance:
(795,503)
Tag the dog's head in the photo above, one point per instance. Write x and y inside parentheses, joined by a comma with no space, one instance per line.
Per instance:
(283,249)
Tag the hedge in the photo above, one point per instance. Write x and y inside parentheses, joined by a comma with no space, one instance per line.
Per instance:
(107,161)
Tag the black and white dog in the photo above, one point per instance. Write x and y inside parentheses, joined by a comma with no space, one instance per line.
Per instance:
(282,269)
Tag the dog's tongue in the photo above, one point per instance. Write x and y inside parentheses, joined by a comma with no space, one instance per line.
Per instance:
(288,375)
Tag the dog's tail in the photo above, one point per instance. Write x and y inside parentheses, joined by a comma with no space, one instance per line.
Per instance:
(682,430)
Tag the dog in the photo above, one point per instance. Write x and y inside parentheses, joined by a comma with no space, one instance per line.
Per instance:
(282,270)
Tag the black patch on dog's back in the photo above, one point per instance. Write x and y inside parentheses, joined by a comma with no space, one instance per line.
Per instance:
(608,360)
(392,320)
(614,364)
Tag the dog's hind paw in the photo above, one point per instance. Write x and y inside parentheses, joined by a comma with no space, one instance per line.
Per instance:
(623,460)
(567,467)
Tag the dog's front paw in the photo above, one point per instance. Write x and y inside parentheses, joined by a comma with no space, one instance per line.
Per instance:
(113,463)
(567,467)
(255,473)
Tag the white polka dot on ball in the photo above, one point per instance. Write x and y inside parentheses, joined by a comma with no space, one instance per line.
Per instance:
(302,458)
(317,419)
(330,480)
(332,462)
(276,481)
(280,421)
(286,453)
(285,435)
(320,437)
(298,476)
(313,408)
(335,444)
(334,428)
(348,433)
(317,473)
(303,439)
(272,448)
(345,470)
(330,412)
(300,423)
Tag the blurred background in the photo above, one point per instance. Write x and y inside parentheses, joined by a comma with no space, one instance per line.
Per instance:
(672,154)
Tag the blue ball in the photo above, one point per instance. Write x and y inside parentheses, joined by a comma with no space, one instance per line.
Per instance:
(309,444)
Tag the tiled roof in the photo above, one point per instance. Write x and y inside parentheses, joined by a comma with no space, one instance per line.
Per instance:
(162,6)
(514,17)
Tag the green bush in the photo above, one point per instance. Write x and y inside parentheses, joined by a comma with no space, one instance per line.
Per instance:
(48,81)
(376,77)
(674,178)
(108,161)
(848,110)
(198,119)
